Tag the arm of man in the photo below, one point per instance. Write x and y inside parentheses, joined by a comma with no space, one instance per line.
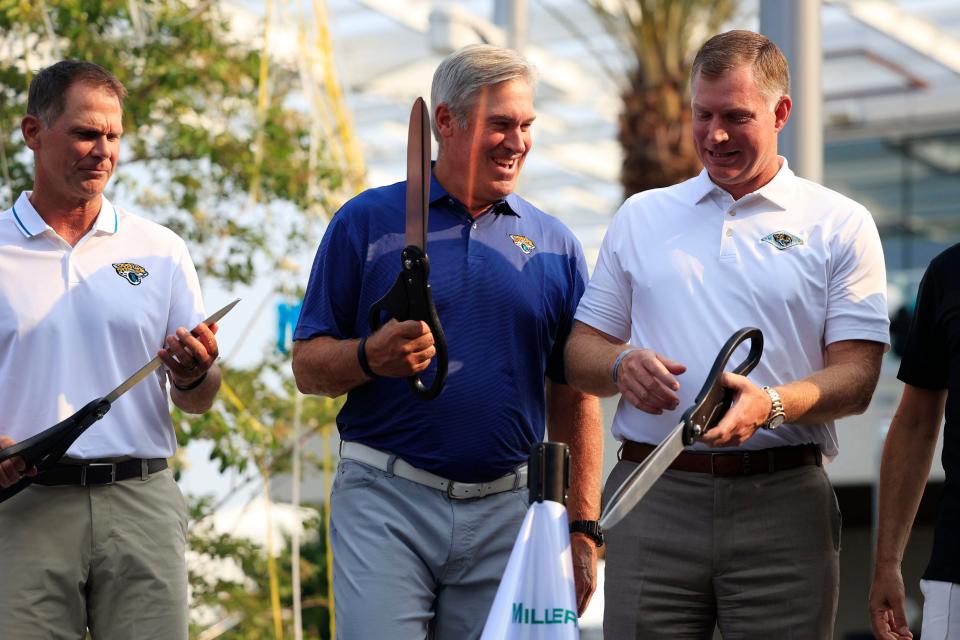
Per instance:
(907,456)
(644,377)
(843,387)
(190,358)
(574,418)
(331,367)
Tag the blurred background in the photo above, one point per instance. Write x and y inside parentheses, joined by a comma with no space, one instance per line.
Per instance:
(249,123)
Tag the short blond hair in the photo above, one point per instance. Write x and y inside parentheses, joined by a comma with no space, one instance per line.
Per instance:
(727,51)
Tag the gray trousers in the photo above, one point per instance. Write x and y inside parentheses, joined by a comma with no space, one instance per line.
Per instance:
(410,563)
(107,557)
(757,556)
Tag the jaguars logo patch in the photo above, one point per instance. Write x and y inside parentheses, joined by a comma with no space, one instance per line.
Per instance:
(132,273)
(524,243)
(782,240)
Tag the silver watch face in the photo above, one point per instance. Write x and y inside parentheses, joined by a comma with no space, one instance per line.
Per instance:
(775,422)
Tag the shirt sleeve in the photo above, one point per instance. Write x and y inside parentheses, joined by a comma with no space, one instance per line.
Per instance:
(577,274)
(331,300)
(607,302)
(186,299)
(857,289)
(925,361)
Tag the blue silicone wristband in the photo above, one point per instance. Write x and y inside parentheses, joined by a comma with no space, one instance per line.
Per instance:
(615,369)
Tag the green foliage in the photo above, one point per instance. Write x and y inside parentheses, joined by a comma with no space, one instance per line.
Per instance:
(242,606)
(252,420)
(189,161)
(190,122)
(252,427)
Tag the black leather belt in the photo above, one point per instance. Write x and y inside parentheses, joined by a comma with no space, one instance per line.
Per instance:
(733,463)
(98,473)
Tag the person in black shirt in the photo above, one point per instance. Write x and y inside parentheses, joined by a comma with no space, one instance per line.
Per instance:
(930,370)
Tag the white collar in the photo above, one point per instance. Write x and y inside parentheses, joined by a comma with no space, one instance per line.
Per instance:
(779,191)
(31,224)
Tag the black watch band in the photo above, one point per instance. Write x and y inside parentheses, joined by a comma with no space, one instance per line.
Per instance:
(589,528)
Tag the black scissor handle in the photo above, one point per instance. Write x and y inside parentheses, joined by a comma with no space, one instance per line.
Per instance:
(411,298)
(47,447)
(713,401)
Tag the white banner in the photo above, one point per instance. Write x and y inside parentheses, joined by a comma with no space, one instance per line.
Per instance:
(536,599)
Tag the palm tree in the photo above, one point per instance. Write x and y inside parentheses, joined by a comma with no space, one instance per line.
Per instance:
(664,36)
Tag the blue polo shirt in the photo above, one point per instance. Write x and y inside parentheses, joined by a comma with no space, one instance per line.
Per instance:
(505,286)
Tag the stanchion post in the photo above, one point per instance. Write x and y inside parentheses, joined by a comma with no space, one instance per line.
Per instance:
(548,472)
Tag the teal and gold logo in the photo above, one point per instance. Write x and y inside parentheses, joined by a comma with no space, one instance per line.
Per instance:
(526,244)
(782,240)
(527,615)
(132,273)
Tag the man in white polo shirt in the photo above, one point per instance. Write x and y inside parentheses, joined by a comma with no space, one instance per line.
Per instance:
(746,538)
(88,294)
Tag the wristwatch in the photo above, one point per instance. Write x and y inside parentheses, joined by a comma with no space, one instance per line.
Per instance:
(589,528)
(775,418)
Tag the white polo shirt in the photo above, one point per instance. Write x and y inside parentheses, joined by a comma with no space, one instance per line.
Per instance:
(682,268)
(77,321)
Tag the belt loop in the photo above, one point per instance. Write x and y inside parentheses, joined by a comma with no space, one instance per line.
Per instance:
(771,461)
(620,452)
(713,458)
(516,478)
(83,475)
(746,463)
(144,469)
(819,454)
(390,462)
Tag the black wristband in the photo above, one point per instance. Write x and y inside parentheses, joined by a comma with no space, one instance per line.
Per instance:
(589,528)
(362,358)
(193,385)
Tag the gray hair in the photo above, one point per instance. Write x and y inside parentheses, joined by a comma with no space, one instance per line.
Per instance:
(465,72)
(46,98)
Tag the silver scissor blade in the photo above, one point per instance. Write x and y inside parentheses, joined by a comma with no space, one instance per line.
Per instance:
(151,366)
(638,483)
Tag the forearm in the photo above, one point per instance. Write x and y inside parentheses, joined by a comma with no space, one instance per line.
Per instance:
(574,418)
(327,366)
(200,398)
(907,456)
(843,387)
(589,357)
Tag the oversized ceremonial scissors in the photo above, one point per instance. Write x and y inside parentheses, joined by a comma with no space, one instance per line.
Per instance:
(45,449)
(410,297)
(709,407)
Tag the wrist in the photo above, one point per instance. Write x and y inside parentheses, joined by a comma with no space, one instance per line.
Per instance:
(588,528)
(189,386)
(775,416)
(887,564)
(362,358)
(615,367)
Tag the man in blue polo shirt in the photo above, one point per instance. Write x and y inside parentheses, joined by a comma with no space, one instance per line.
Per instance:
(429,495)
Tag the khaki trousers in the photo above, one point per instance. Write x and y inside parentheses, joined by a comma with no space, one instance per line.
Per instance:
(109,557)
(756,556)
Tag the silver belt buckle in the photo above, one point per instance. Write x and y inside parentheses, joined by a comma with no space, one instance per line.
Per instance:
(113,472)
(451,495)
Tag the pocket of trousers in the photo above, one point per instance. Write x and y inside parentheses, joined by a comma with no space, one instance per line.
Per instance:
(354,475)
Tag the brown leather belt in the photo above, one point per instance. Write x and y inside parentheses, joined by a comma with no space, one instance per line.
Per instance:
(733,463)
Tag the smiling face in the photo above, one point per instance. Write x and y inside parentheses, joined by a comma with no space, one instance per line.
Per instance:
(735,130)
(479,164)
(76,154)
